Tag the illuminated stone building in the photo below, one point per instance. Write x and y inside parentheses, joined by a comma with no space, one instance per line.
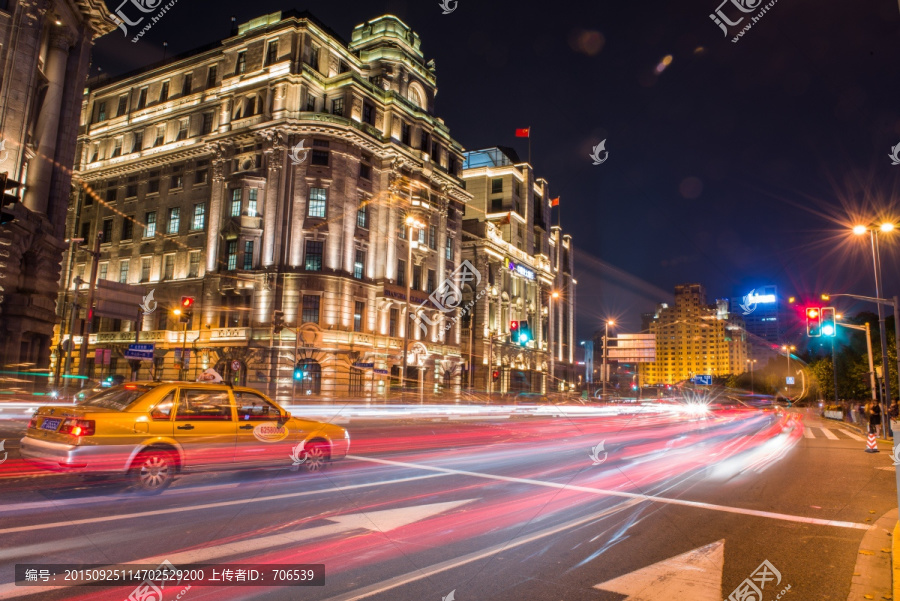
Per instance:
(45,51)
(523,261)
(270,176)
(694,338)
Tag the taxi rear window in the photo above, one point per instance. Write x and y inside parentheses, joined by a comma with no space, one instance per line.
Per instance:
(118,397)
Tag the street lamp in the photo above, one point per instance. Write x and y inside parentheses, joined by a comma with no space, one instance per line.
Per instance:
(605,347)
(788,348)
(412,223)
(751,362)
(860,230)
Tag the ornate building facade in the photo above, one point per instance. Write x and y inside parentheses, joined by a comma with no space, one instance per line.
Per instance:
(45,51)
(270,177)
(519,334)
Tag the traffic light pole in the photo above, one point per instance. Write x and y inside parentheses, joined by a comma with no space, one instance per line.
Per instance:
(89,306)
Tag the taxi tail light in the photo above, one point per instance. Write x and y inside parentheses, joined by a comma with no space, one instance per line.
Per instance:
(77,427)
(32,423)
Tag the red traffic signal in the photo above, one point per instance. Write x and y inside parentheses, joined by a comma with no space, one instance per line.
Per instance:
(813,322)
(187,302)
(513,326)
(495,375)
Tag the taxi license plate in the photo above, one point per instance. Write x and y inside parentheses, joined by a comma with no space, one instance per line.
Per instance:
(50,424)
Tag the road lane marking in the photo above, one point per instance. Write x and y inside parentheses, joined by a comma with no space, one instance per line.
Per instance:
(829,434)
(625,495)
(850,434)
(382,521)
(111,518)
(450,564)
(695,575)
(807,433)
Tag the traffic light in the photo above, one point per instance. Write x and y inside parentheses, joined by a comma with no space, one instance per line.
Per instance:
(813,322)
(299,374)
(187,303)
(524,336)
(829,326)
(514,329)
(277,322)
(495,375)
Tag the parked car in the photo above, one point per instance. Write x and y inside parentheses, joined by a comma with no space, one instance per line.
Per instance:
(150,431)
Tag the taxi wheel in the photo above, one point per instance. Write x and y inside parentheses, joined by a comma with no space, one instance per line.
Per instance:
(316,457)
(153,471)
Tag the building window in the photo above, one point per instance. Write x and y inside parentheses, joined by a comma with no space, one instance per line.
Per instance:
(201,175)
(435,152)
(101,112)
(417,277)
(368,114)
(117,148)
(310,103)
(318,199)
(231,255)
(337,107)
(393,316)
(401,272)
(358,311)
(422,236)
(127,229)
(137,141)
(194,264)
(206,128)
(187,84)
(111,194)
(320,157)
(211,76)
(153,183)
(251,202)
(401,233)
(432,237)
(248,255)
(362,215)
(131,191)
(199,220)
(168,267)
(177,179)
(107,231)
(359,265)
(95,153)
(241,66)
(174,220)
(365,171)
(104,271)
(314,57)
(164,91)
(150,228)
(271,53)
(182,129)
(145,269)
(123,271)
(430,281)
(314,251)
(142,98)
(405,133)
(236,202)
(310,308)
(160,136)
(448,249)
(496,205)
(497,186)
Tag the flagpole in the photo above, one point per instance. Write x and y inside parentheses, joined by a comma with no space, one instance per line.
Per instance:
(529,147)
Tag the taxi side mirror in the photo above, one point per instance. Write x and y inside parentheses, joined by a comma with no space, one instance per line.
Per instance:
(283,419)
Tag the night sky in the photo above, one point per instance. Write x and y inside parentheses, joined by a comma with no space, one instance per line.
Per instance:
(740,164)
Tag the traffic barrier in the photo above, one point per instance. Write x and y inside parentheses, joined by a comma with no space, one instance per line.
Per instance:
(871,444)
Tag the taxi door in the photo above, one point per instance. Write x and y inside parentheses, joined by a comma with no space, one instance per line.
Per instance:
(205,426)
(260,439)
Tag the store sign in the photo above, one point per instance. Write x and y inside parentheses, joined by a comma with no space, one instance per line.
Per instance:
(519,269)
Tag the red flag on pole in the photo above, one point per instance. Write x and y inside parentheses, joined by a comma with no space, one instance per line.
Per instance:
(554,202)
(523,133)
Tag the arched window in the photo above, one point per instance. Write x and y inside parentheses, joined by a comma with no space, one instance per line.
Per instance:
(415,96)
(312,376)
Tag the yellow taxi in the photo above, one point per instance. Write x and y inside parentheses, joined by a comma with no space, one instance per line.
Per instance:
(152,430)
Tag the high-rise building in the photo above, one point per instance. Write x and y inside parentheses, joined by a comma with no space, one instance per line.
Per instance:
(45,58)
(270,176)
(760,309)
(524,316)
(695,338)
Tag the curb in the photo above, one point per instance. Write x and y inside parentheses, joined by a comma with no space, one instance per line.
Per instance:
(877,561)
(895,561)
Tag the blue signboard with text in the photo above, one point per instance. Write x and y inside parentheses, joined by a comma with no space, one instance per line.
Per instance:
(704,380)
(141,352)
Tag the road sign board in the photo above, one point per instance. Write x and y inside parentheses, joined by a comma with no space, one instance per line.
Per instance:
(235,365)
(141,352)
(364,365)
(382,372)
(703,380)
(790,380)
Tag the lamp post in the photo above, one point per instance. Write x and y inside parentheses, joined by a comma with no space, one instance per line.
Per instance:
(553,296)
(411,223)
(605,347)
(860,230)
(751,362)
(181,368)
(788,348)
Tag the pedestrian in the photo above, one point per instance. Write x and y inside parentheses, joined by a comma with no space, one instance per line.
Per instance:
(861,410)
(875,419)
(894,411)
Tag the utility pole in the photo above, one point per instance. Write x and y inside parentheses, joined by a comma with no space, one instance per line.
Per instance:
(89,307)
(886,399)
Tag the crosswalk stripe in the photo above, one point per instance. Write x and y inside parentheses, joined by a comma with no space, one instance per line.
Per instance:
(829,434)
(807,433)
(850,434)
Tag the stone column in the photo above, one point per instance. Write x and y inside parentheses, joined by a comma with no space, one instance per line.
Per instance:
(40,170)
(214,227)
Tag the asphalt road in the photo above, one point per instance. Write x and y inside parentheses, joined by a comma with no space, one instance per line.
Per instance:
(674,507)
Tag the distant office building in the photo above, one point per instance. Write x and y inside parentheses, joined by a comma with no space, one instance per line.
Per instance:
(762,319)
(695,338)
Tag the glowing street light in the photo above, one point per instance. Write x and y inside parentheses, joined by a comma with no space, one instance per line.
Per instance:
(859,230)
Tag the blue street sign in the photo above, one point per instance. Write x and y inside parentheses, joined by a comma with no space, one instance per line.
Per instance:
(364,365)
(790,380)
(141,352)
(704,380)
